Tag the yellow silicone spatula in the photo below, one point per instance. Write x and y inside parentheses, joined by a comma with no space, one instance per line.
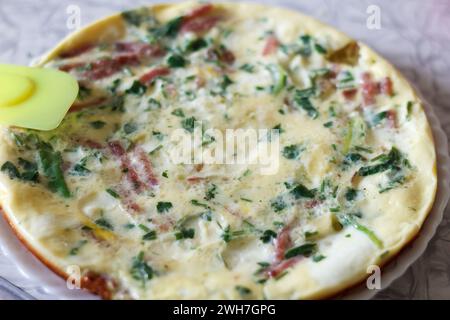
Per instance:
(35,98)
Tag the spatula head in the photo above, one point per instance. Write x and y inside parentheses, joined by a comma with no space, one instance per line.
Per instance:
(35,98)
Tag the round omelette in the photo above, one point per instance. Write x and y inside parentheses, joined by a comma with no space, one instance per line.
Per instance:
(354,181)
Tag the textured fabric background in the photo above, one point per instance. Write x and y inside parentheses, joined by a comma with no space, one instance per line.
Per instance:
(414,36)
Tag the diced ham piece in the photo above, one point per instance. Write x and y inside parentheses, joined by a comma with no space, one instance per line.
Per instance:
(392,118)
(386,86)
(71,66)
(271,46)
(194,180)
(141,49)
(277,269)
(107,67)
(80,105)
(76,51)
(126,197)
(282,242)
(88,143)
(200,19)
(370,89)
(148,77)
(131,174)
(150,178)
(98,284)
(312,203)
(199,12)
(349,94)
(222,54)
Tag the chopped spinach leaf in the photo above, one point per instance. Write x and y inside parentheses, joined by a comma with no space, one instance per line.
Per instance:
(188,124)
(50,163)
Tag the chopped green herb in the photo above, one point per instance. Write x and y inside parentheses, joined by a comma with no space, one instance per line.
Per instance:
(199,204)
(409,109)
(247,68)
(11,170)
(97,124)
(305,48)
(350,220)
(268,235)
(243,291)
(278,204)
(113,87)
(185,234)
(388,161)
(162,207)
(80,170)
(229,235)
(306,250)
(136,88)
(105,224)
(211,192)
(351,194)
(176,61)
(196,44)
(113,193)
(135,17)
(178,113)
(379,117)
(291,152)
(306,105)
(188,124)
(225,83)
(318,257)
(130,127)
(154,104)
(320,49)
(170,29)
(74,251)
(151,235)
(279,77)
(305,93)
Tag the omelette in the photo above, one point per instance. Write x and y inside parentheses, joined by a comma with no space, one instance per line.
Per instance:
(354,181)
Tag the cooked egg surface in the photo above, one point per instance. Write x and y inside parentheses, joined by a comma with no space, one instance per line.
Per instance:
(355,181)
